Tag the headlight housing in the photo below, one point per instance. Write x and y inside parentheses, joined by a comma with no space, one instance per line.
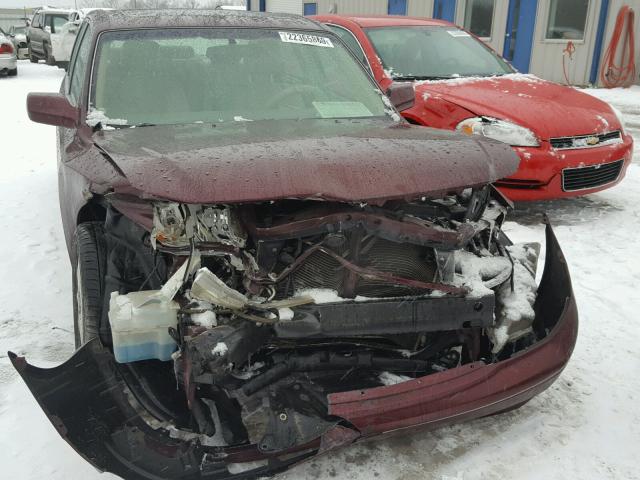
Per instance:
(620,117)
(500,130)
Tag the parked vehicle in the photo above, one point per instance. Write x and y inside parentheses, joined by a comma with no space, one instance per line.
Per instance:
(18,36)
(569,143)
(269,262)
(45,25)
(62,42)
(8,59)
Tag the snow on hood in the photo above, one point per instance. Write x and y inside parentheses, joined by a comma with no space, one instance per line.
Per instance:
(548,109)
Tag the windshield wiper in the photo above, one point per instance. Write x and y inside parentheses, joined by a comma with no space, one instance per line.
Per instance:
(406,78)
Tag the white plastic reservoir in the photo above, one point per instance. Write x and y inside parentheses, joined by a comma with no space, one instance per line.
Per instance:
(140,324)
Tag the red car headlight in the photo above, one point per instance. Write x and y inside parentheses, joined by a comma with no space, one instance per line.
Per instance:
(500,130)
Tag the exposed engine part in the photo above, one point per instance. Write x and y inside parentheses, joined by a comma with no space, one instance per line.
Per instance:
(515,300)
(216,352)
(175,225)
(388,317)
(274,306)
(332,361)
(209,288)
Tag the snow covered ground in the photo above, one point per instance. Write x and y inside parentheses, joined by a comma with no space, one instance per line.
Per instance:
(587,425)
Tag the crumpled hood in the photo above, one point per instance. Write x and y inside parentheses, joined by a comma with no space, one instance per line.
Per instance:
(548,109)
(349,161)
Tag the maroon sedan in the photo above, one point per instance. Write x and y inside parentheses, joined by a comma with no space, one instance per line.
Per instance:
(269,263)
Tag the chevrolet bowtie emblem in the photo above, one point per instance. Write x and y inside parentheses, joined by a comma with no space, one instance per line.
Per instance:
(593,140)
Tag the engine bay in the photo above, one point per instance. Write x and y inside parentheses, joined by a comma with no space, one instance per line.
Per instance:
(259,311)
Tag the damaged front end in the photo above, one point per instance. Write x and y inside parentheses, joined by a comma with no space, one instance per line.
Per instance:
(237,340)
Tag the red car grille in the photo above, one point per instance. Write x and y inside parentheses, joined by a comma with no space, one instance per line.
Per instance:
(585,141)
(590,177)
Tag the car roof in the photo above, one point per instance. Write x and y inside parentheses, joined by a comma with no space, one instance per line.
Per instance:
(55,10)
(175,18)
(370,21)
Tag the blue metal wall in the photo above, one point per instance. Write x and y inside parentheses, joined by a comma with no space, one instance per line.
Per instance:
(444,10)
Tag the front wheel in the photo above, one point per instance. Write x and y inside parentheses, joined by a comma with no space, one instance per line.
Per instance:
(32,57)
(48,57)
(88,281)
(13,73)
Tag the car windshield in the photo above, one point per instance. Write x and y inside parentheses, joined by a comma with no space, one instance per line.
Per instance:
(19,30)
(178,76)
(57,21)
(424,53)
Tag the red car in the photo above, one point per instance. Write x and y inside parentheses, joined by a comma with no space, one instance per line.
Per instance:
(269,262)
(569,143)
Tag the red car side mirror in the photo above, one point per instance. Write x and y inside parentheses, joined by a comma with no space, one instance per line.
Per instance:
(52,109)
(402,95)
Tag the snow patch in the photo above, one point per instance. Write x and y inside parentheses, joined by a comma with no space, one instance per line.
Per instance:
(206,319)
(220,350)
(285,314)
(515,77)
(388,378)
(481,273)
(327,295)
(95,117)
(514,308)
(391,110)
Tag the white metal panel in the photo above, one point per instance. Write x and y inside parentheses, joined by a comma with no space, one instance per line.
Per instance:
(285,6)
(420,8)
(415,8)
(547,55)
(360,7)
(498,24)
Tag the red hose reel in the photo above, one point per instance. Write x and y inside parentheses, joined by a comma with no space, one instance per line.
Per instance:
(620,74)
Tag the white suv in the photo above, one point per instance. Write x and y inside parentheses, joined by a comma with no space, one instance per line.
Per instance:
(62,42)
(45,26)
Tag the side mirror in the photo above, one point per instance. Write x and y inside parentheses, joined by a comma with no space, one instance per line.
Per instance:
(402,95)
(52,109)
(47,29)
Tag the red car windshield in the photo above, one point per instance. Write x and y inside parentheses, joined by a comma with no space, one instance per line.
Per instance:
(426,53)
(178,76)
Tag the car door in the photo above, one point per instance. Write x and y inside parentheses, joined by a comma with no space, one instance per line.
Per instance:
(36,33)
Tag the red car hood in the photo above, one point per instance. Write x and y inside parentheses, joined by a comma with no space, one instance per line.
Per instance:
(369,161)
(548,109)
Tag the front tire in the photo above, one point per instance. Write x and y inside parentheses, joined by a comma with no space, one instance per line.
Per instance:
(88,281)
(13,73)
(32,57)
(48,57)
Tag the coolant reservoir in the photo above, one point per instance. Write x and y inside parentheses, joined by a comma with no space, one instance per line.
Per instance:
(140,324)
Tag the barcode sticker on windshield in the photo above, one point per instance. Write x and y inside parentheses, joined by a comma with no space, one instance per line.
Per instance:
(458,33)
(315,40)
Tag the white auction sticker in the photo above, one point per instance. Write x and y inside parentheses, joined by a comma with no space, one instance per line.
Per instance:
(458,33)
(306,39)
